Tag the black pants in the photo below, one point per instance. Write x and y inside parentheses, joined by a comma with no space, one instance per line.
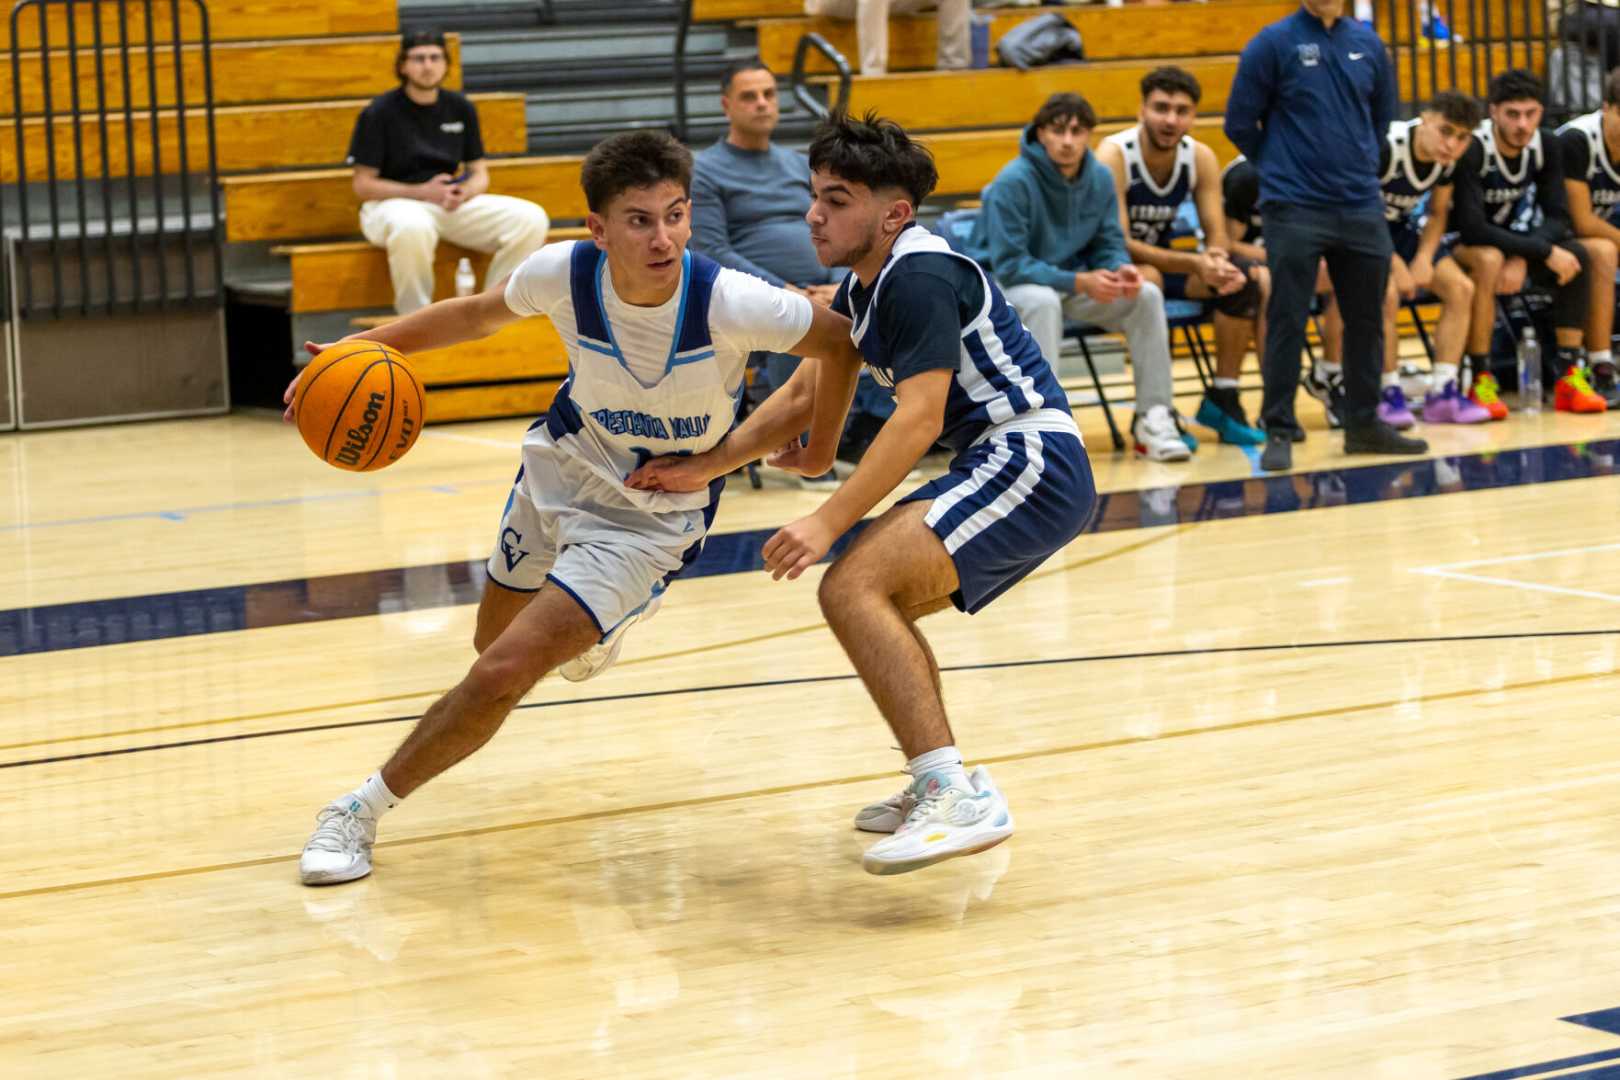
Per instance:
(1569,300)
(1357,248)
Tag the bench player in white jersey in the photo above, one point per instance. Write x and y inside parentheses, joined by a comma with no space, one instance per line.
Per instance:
(1416,162)
(657,340)
(1157,167)
(1591,149)
(964,371)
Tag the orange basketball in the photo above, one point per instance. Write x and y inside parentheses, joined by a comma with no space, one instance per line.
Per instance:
(359,406)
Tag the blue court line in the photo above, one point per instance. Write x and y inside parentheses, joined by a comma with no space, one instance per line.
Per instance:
(92,623)
(1608,1072)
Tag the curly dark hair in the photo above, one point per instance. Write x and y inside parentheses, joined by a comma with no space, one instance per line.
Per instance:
(1456,107)
(1064,107)
(1171,80)
(633,159)
(875,152)
(1516,84)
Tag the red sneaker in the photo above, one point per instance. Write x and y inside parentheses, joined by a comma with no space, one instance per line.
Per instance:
(1574,394)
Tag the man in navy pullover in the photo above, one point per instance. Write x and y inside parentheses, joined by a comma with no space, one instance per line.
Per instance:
(1313,95)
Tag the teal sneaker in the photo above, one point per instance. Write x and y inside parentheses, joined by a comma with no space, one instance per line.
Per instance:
(1224,415)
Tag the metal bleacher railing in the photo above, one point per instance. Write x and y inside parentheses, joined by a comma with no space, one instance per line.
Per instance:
(126,249)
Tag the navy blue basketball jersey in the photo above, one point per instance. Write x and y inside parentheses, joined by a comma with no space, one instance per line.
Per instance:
(1150,206)
(1509,188)
(999,374)
(1405,182)
(1586,158)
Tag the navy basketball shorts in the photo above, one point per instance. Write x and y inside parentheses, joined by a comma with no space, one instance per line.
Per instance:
(1405,242)
(1009,502)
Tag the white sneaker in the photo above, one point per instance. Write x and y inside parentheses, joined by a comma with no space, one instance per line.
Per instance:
(599,657)
(944,823)
(1158,437)
(886,816)
(340,850)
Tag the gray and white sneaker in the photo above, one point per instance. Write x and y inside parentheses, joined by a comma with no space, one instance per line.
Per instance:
(886,816)
(599,657)
(340,850)
(946,822)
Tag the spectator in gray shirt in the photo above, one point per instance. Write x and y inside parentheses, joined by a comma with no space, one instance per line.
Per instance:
(749,199)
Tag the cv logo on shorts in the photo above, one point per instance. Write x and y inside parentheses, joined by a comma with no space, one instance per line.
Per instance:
(510,539)
(1310,54)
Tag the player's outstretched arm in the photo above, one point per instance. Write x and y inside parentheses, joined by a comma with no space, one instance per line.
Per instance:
(437,326)
(816,397)
(919,415)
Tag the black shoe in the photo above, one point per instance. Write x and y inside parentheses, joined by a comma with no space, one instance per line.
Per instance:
(1295,432)
(1379,438)
(1329,390)
(1606,383)
(1278,455)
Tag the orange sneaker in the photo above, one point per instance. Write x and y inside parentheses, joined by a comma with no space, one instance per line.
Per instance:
(1484,393)
(1574,394)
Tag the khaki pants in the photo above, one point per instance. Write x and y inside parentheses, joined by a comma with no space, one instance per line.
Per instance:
(872,27)
(410,230)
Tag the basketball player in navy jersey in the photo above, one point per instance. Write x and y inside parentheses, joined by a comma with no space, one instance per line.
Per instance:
(1591,148)
(1510,196)
(657,340)
(1416,162)
(964,371)
(1157,167)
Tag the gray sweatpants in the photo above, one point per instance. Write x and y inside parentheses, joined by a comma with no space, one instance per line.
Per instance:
(1140,319)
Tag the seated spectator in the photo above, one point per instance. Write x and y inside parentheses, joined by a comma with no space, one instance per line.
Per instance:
(1510,196)
(420,172)
(1050,234)
(1591,149)
(1157,166)
(749,200)
(872,28)
(1416,160)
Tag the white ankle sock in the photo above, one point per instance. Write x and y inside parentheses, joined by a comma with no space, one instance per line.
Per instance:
(1325,368)
(1391,378)
(947,761)
(1223,383)
(1442,374)
(1602,356)
(374,796)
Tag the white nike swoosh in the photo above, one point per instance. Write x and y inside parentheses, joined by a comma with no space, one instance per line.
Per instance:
(1357,55)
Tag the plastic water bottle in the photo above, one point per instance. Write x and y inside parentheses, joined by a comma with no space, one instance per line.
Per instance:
(1529,372)
(466,280)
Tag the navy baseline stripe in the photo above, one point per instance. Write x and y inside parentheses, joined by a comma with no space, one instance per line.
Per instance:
(91,623)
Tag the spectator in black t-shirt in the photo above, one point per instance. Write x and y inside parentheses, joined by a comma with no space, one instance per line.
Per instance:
(420,172)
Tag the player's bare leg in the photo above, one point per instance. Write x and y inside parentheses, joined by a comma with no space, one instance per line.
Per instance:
(896,572)
(549,629)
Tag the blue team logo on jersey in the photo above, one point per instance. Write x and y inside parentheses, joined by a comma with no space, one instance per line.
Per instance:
(1310,55)
(510,539)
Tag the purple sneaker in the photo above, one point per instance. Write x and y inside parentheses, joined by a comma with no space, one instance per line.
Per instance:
(1450,407)
(1393,411)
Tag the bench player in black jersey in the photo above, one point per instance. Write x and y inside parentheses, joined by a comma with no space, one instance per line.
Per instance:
(1591,148)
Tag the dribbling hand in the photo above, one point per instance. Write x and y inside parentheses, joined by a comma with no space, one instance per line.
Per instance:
(314,350)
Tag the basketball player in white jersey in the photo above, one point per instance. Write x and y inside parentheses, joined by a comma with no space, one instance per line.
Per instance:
(1591,149)
(657,340)
(1157,167)
(937,330)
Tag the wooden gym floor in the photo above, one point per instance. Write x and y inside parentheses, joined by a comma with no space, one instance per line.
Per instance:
(1314,777)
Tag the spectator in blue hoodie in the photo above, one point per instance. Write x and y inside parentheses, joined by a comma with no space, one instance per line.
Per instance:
(1050,236)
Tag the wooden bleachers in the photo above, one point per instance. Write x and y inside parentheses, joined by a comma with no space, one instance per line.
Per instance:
(248,136)
(229,20)
(320,202)
(300,69)
(514,372)
(1138,30)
